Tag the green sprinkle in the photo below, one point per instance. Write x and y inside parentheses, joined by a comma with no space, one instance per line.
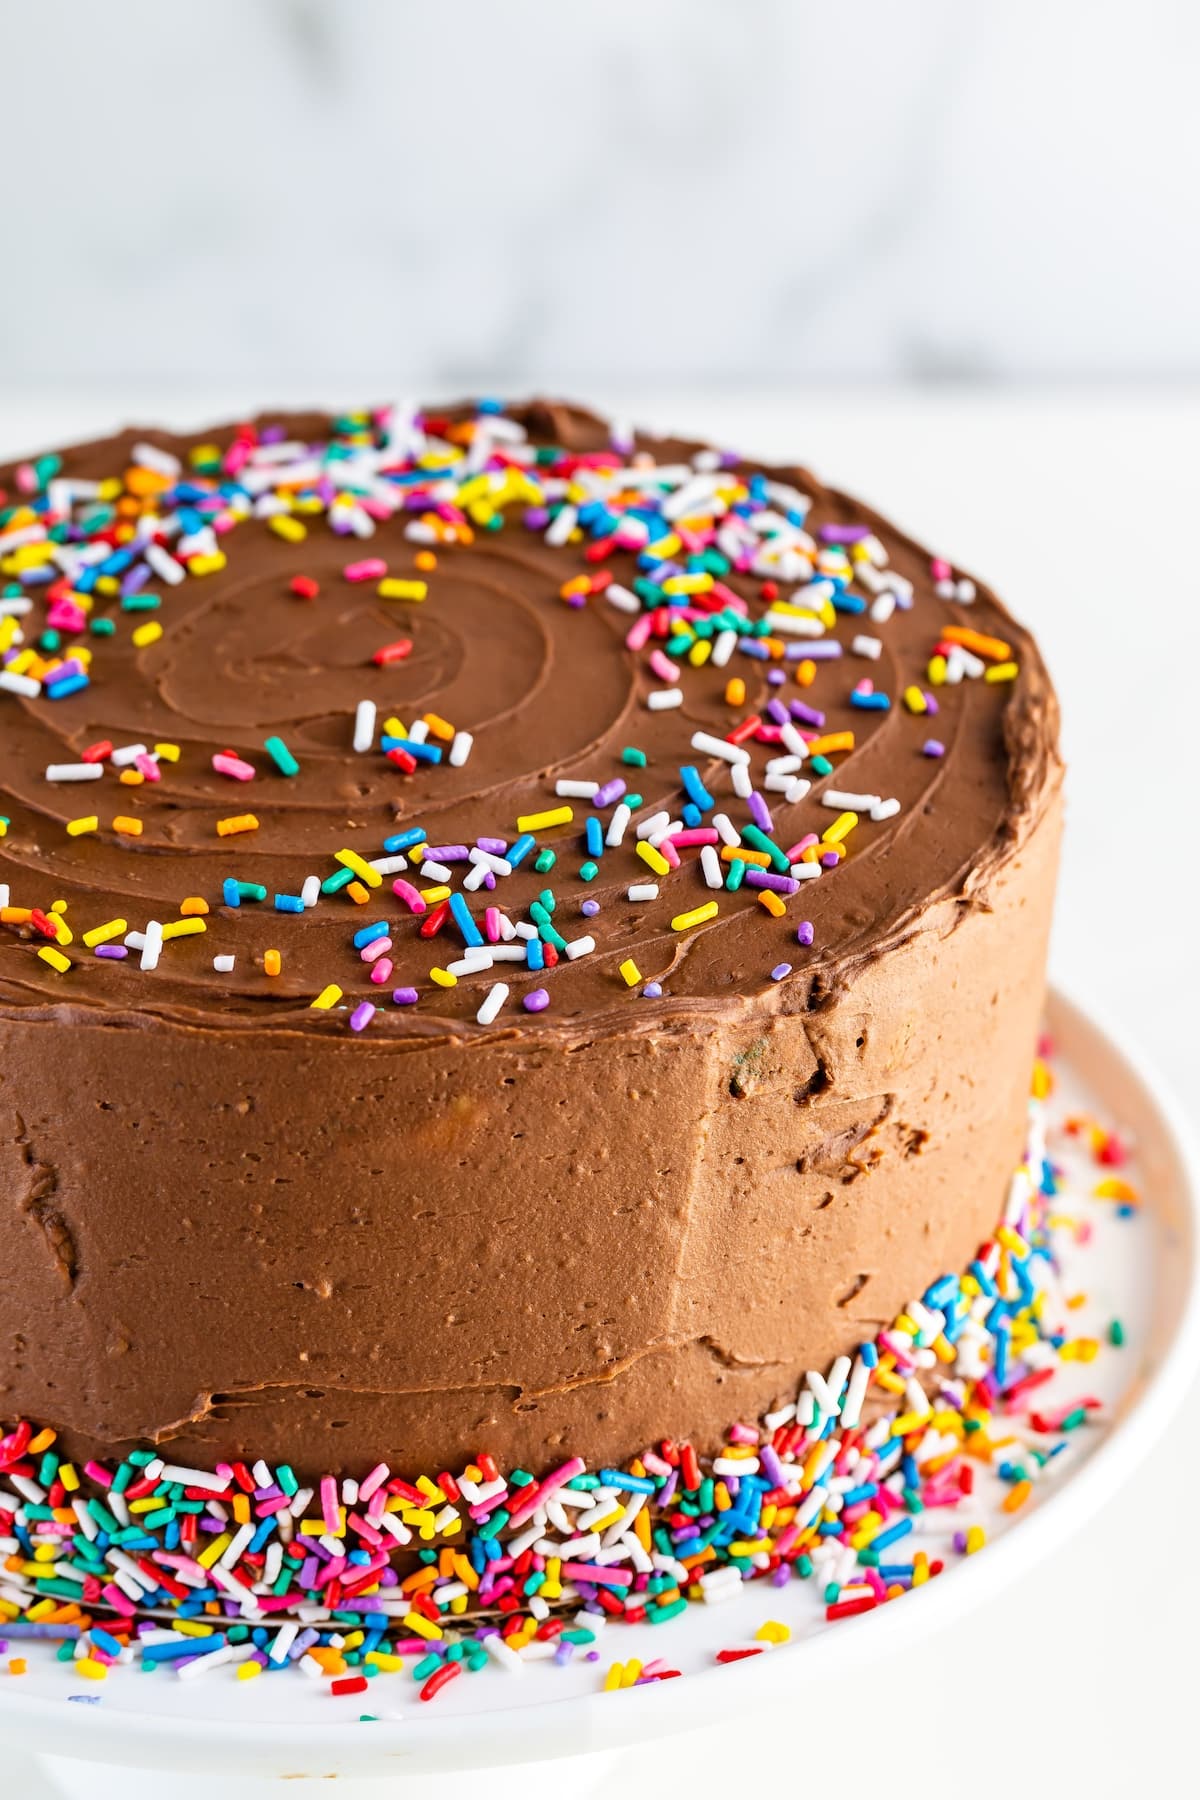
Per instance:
(736,875)
(632,758)
(821,765)
(281,756)
(588,871)
(103,627)
(333,884)
(545,861)
(140,603)
(1116,1333)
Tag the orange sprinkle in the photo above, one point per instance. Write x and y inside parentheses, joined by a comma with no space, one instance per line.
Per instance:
(833,740)
(772,901)
(239,822)
(17,1665)
(735,691)
(1113,1188)
(806,672)
(127,827)
(425,561)
(993,648)
(272,962)
(193,906)
(358,893)
(1016,1497)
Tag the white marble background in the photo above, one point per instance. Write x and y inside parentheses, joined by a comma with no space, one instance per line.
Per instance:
(670,191)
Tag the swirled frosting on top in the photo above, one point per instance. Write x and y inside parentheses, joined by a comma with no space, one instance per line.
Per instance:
(356,637)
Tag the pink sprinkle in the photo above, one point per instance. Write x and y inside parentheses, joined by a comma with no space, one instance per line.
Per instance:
(375,1479)
(805,843)
(228,764)
(698,834)
(382,971)
(491,924)
(667,850)
(329,1499)
(663,667)
(940,569)
(372,568)
(149,767)
(376,948)
(638,633)
(404,890)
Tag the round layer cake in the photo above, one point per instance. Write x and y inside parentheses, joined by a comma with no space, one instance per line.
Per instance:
(516,936)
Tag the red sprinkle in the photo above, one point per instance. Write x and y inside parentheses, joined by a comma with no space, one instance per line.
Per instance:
(96,752)
(845,1609)
(304,587)
(393,653)
(438,1680)
(728,1656)
(352,1684)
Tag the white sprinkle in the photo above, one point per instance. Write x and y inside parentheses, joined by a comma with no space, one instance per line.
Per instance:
(784,765)
(617,824)
(743,787)
(436,871)
(655,823)
(715,746)
(622,599)
(127,753)
(165,565)
(856,1392)
(310,891)
(804,871)
(471,964)
(710,864)
(364,725)
(728,831)
(642,890)
(484,859)
(4,900)
(965,591)
(198,1478)
(724,645)
(149,456)
(883,608)
(561,526)
(15,606)
(661,699)
(839,800)
(795,625)
(74,771)
(460,749)
(578,947)
(152,948)
(419,733)
(885,809)
(224,964)
(24,685)
(867,646)
(796,790)
(576,790)
(387,865)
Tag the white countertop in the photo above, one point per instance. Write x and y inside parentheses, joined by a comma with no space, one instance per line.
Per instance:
(1079,507)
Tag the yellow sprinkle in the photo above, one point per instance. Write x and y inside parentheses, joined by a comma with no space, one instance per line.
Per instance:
(127,827)
(1012,1240)
(630,972)
(700,652)
(842,826)
(211,1552)
(77,827)
(149,633)
(167,752)
(976,1539)
(1006,671)
(272,961)
(697,916)
(206,565)
(90,1669)
(655,860)
(55,958)
(914,699)
(100,934)
(558,815)
(183,928)
(415,1621)
(248,1670)
(443,977)
(328,996)
(239,822)
(1113,1188)
(392,589)
(284,526)
(772,1632)
(772,902)
(735,691)
(383,1660)
(350,859)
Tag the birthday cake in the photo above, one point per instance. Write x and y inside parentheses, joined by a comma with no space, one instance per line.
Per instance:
(518,938)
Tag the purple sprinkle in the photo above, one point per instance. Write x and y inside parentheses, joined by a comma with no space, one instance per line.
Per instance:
(844,534)
(776,677)
(116,952)
(830,860)
(766,878)
(804,934)
(590,908)
(775,709)
(780,970)
(760,812)
(536,518)
(818,649)
(652,990)
(493,846)
(447,852)
(807,715)
(931,705)
(405,996)
(933,747)
(537,1000)
(362,1015)
(609,793)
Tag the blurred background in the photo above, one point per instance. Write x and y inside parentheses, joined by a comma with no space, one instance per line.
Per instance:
(649,191)
(947,253)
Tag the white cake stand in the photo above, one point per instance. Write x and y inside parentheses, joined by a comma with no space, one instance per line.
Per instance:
(138,1736)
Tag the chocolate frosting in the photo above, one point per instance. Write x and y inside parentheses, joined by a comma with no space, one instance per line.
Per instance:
(237,1227)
